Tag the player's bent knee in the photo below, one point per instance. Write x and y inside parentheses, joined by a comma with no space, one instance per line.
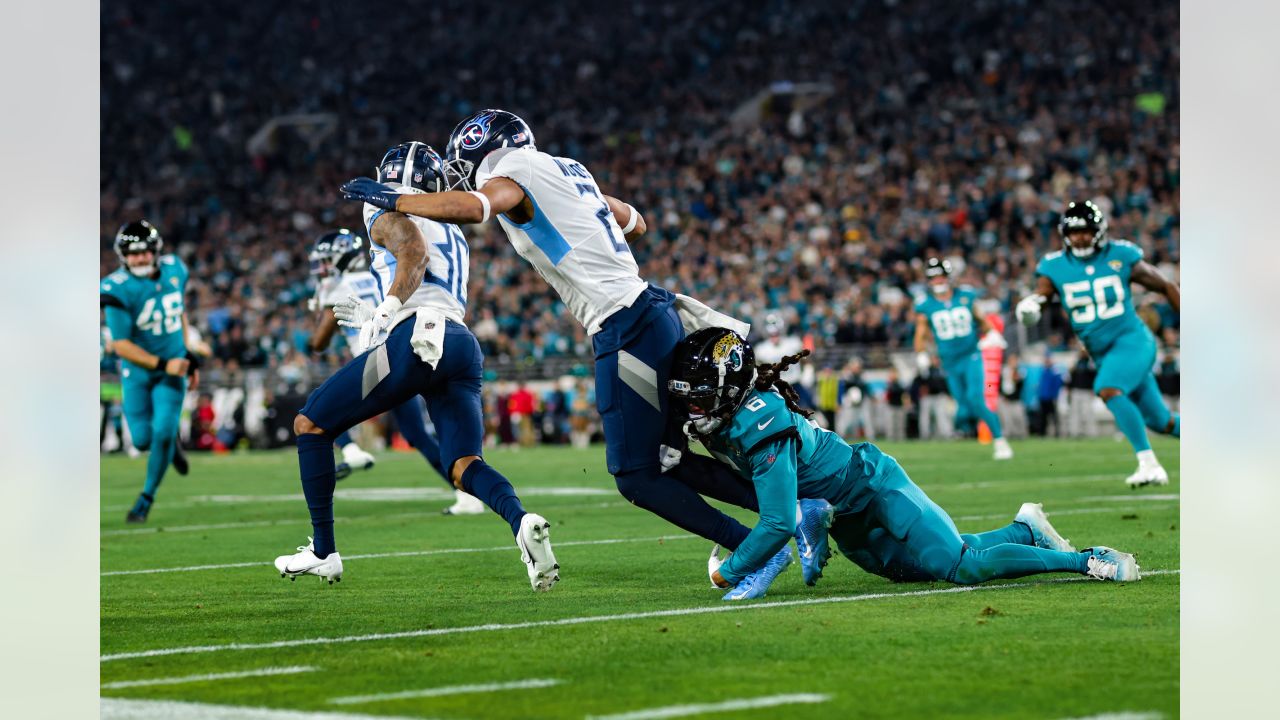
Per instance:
(460,468)
(302,425)
(1108,393)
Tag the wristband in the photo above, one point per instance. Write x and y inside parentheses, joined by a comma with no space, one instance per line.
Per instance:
(161,362)
(635,219)
(193,361)
(484,203)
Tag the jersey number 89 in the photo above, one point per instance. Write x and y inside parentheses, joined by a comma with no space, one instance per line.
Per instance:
(953,323)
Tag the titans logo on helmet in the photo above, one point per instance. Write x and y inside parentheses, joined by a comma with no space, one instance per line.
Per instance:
(474,134)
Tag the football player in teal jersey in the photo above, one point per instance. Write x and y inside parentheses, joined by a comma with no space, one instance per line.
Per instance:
(877,516)
(956,324)
(1092,275)
(143,302)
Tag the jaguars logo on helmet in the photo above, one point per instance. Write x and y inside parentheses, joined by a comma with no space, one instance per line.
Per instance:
(138,236)
(1083,215)
(413,165)
(476,137)
(712,372)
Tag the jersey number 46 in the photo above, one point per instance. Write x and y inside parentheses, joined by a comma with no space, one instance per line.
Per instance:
(164,320)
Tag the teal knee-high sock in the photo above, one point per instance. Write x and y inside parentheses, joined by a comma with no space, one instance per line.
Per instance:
(1129,421)
(1012,561)
(158,461)
(1177,425)
(1014,533)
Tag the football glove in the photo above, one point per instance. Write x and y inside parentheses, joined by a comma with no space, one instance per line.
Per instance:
(1028,310)
(713,564)
(371,191)
(922,361)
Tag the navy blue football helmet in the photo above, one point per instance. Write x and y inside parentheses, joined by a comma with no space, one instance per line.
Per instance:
(1083,215)
(476,137)
(413,164)
(138,236)
(337,252)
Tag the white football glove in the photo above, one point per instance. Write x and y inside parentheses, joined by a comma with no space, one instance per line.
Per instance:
(992,339)
(1028,310)
(372,321)
(922,361)
(713,564)
(353,312)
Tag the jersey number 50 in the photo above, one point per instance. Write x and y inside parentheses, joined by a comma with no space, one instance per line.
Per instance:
(1088,300)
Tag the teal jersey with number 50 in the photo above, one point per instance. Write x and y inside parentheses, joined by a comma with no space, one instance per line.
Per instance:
(1095,292)
(147,311)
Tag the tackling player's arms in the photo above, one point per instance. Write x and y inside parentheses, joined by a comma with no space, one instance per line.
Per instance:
(1146,275)
(324,333)
(405,242)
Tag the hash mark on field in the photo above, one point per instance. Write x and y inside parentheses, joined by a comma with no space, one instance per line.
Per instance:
(450,690)
(264,672)
(120,709)
(492,627)
(407,553)
(673,711)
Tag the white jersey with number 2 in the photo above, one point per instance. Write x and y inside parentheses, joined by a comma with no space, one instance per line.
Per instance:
(573,241)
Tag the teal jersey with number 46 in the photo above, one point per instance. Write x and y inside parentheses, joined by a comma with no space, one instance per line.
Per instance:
(954,327)
(1095,292)
(147,311)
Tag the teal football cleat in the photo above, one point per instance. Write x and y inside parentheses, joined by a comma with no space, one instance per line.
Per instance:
(1032,515)
(1108,564)
(814,518)
(757,583)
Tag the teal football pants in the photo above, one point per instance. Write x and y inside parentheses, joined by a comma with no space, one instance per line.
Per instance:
(152,407)
(1126,366)
(904,536)
(966,382)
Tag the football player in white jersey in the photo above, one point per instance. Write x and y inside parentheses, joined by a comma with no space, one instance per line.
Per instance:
(412,343)
(575,236)
(777,345)
(340,263)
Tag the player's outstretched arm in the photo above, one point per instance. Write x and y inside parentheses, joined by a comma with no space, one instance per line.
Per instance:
(1146,275)
(628,218)
(1028,310)
(498,196)
(324,333)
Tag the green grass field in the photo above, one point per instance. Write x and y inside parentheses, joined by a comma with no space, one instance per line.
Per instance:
(633,625)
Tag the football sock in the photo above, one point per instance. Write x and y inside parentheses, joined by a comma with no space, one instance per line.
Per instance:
(1129,422)
(344,439)
(315,464)
(1012,561)
(495,491)
(158,462)
(1177,425)
(677,503)
(409,420)
(1014,533)
(988,416)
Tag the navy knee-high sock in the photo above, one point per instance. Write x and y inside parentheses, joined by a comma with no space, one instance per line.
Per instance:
(315,464)
(495,491)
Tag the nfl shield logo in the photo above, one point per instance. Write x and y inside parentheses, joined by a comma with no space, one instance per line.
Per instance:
(473,135)
(417,177)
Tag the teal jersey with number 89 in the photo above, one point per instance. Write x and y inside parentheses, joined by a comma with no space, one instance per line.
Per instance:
(1095,292)
(147,311)
(954,327)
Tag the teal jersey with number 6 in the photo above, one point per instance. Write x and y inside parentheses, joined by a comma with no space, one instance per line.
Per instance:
(147,311)
(954,327)
(1095,292)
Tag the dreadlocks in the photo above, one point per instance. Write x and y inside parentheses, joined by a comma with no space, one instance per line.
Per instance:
(767,377)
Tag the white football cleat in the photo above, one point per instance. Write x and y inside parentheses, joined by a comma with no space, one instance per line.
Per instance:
(357,458)
(465,504)
(534,541)
(305,562)
(1108,564)
(1042,532)
(1149,471)
(1002,449)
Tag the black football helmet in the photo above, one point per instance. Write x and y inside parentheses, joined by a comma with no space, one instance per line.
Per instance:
(712,373)
(936,267)
(1083,215)
(414,165)
(138,236)
(337,252)
(476,137)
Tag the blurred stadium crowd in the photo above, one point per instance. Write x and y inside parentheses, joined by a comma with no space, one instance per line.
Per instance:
(802,158)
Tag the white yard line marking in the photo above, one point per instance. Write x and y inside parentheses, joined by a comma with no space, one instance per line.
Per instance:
(1135,496)
(121,709)
(674,711)
(451,690)
(192,528)
(1125,715)
(1050,513)
(407,553)
(264,672)
(492,627)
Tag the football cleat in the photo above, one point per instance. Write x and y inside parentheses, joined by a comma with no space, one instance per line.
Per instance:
(1002,449)
(1149,472)
(464,504)
(180,464)
(355,457)
(534,541)
(305,562)
(140,510)
(757,583)
(1042,533)
(813,519)
(1108,564)
(341,471)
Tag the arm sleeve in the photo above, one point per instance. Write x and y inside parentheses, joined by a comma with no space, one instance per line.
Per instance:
(773,470)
